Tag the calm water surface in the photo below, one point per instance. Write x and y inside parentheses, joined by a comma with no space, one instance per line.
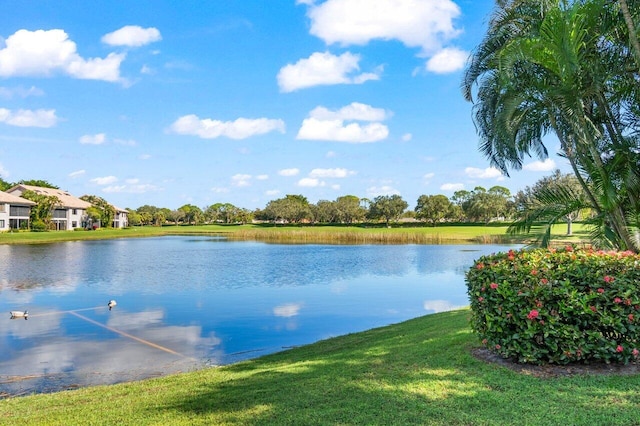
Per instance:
(188,302)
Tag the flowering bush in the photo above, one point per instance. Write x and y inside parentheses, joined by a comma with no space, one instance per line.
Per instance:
(558,306)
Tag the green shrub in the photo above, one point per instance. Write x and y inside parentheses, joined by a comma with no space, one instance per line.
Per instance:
(557,306)
(38,226)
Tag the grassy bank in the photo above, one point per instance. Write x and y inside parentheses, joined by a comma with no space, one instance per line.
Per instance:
(417,372)
(298,234)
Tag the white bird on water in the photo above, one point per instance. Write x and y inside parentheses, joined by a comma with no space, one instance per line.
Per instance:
(19,314)
(111,304)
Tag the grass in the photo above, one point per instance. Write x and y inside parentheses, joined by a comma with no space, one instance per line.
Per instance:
(467,233)
(417,372)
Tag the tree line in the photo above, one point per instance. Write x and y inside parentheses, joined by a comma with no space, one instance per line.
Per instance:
(479,205)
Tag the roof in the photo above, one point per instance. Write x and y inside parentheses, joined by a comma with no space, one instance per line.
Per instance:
(14,199)
(66,200)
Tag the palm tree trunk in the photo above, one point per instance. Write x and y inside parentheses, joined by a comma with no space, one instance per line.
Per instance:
(633,36)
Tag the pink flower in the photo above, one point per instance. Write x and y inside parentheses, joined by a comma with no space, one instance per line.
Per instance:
(480,266)
(608,279)
(619,348)
(593,308)
(480,299)
(569,248)
(544,281)
(534,272)
(630,317)
(635,352)
(601,290)
(617,300)
(484,342)
(498,346)
(493,286)
(533,314)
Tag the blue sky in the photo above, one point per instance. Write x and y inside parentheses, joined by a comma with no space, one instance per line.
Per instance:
(243,101)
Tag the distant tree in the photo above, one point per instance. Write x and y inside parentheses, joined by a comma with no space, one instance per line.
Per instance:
(4,185)
(387,207)
(191,213)
(325,211)
(433,208)
(160,216)
(175,216)
(42,212)
(147,209)
(106,211)
(350,209)
(38,182)
(146,218)
(486,205)
(551,199)
(292,208)
(244,216)
(133,217)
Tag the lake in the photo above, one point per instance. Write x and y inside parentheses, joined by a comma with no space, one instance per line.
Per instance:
(186,302)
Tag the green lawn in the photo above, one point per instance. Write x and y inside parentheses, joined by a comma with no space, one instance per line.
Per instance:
(417,372)
(295,234)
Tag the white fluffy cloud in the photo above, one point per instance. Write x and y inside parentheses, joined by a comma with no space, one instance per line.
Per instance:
(132,187)
(354,111)
(43,53)
(289,172)
(241,128)
(488,173)
(540,166)
(447,60)
(324,124)
(132,36)
(425,24)
(107,180)
(97,139)
(452,187)
(28,118)
(310,182)
(331,173)
(241,180)
(323,69)
(77,174)
(287,310)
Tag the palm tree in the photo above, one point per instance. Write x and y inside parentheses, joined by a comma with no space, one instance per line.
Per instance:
(555,67)
(633,36)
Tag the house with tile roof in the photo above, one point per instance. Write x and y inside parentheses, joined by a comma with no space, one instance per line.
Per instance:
(14,211)
(121,218)
(70,214)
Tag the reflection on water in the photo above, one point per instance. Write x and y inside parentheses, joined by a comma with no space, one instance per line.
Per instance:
(189,302)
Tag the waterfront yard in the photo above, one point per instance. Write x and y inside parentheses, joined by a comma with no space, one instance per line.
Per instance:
(417,372)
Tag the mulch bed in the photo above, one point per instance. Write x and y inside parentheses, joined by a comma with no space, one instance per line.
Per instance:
(552,370)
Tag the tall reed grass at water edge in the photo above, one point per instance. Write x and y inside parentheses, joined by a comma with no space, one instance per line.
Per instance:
(353,237)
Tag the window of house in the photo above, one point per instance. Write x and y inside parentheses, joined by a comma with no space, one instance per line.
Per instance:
(3,208)
(1,223)
(17,211)
(75,211)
